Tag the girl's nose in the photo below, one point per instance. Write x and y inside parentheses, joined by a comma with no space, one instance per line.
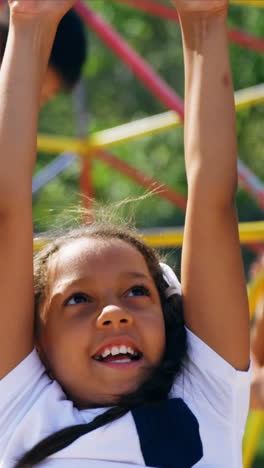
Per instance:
(114,316)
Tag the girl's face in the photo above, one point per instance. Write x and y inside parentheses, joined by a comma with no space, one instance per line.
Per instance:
(102,328)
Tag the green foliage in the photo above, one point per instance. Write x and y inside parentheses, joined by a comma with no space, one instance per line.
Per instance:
(116,97)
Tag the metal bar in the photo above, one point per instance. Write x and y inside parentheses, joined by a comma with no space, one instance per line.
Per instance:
(254,430)
(244,98)
(86,182)
(251,183)
(253,3)
(149,125)
(146,181)
(50,171)
(129,56)
(144,72)
(248,232)
(163,11)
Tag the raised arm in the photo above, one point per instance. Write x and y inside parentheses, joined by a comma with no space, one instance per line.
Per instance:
(33,25)
(214,291)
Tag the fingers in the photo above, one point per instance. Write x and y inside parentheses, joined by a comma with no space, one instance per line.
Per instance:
(41,10)
(206,7)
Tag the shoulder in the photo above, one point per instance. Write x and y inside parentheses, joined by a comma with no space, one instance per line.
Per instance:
(207,374)
(218,396)
(27,386)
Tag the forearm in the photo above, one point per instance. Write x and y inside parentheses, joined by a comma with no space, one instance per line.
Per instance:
(21,77)
(210,136)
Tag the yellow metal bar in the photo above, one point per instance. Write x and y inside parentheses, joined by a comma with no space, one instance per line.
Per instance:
(138,128)
(166,238)
(255,3)
(253,433)
(59,144)
(248,97)
(255,292)
(112,136)
(129,131)
(249,232)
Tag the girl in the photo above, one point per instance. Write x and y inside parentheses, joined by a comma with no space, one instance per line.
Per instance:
(111,341)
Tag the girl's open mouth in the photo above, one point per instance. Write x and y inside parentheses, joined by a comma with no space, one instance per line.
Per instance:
(119,356)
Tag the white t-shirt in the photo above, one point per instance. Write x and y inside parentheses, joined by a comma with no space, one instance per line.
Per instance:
(208,391)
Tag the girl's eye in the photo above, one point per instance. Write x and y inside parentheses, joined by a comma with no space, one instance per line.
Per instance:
(138,291)
(77,298)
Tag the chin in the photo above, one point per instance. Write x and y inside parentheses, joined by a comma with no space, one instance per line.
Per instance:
(103,400)
(114,394)
(124,388)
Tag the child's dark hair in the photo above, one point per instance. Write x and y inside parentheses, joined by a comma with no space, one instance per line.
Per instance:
(157,387)
(69,50)
(3,39)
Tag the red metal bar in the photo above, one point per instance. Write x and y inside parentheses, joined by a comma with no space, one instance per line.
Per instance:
(257,247)
(251,183)
(150,183)
(246,40)
(144,72)
(154,8)
(146,181)
(164,192)
(163,11)
(138,65)
(86,182)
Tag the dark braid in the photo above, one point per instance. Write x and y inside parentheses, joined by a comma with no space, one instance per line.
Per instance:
(157,387)
(67,436)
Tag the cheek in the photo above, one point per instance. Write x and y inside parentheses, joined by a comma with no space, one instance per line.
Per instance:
(52,339)
(155,334)
(65,338)
(60,353)
(69,341)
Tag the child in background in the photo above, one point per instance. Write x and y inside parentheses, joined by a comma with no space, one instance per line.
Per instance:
(67,56)
(113,364)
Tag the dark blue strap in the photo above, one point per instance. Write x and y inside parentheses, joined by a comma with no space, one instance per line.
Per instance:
(169,434)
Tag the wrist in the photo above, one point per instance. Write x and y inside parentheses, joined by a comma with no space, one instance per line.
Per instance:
(30,26)
(198,20)
(199,29)
(34,38)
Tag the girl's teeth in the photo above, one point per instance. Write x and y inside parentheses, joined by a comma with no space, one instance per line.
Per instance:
(106,352)
(122,361)
(115,351)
